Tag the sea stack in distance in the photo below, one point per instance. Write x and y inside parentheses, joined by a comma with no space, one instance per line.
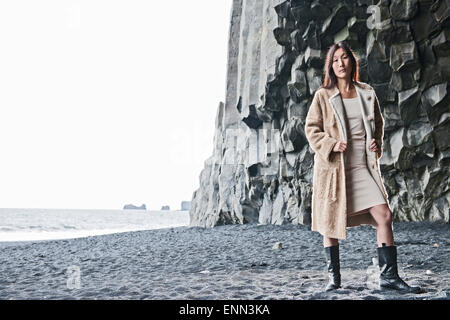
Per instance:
(132,206)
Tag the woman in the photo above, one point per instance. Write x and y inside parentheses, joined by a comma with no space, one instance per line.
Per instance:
(344,127)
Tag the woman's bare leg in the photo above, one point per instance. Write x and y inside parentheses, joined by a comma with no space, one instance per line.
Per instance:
(383,216)
(330,242)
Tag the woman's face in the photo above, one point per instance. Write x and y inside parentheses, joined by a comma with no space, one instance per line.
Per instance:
(342,65)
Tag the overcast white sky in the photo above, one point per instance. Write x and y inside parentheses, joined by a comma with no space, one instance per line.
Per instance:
(104,103)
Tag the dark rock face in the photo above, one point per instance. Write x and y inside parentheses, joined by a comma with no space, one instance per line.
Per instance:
(261,167)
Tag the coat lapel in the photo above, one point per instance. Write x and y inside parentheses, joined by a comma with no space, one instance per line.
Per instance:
(366,99)
(338,108)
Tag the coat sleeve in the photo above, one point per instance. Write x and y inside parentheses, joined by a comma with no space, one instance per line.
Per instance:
(379,127)
(319,140)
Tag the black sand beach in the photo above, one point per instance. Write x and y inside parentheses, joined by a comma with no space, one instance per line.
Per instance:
(226,262)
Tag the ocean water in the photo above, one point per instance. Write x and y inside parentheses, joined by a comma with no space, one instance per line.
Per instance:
(47,224)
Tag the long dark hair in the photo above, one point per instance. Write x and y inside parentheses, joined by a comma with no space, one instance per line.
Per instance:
(330,80)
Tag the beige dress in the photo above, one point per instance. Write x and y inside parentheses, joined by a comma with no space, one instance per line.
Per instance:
(362,190)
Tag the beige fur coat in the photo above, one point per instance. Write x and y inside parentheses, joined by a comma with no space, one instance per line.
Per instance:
(324,126)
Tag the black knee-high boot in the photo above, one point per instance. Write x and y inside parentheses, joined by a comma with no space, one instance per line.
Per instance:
(389,278)
(333,266)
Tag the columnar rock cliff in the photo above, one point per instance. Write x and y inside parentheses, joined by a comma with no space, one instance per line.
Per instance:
(261,166)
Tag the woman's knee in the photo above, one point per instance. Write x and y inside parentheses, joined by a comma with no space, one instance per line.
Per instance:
(383,215)
(388,217)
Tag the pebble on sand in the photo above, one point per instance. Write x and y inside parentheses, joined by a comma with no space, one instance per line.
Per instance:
(277,246)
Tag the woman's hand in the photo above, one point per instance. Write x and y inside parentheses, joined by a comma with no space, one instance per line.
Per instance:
(340,146)
(374,146)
